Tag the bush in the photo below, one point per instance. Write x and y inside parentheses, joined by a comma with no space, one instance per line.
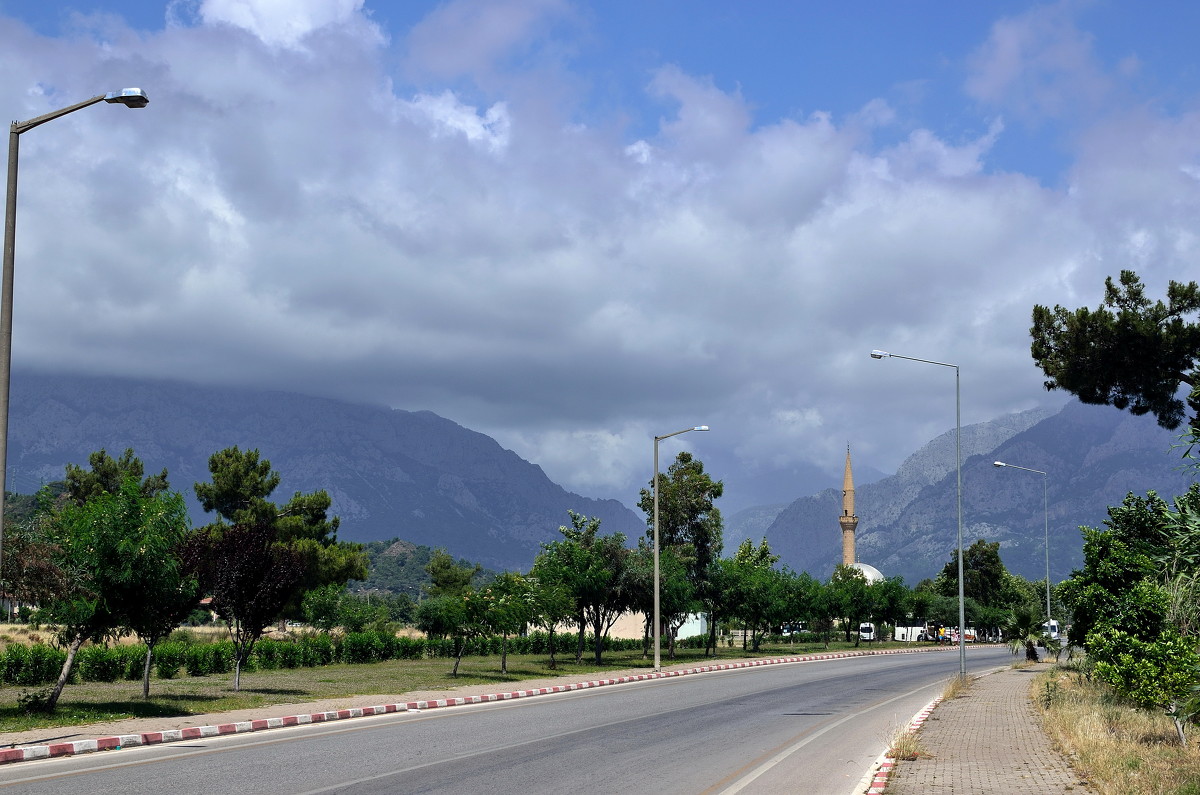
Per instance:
(291,654)
(100,664)
(267,653)
(361,647)
(169,657)
(16,660)
(43,665)
(318,649)
(409,649)
(133,661)
(205,659)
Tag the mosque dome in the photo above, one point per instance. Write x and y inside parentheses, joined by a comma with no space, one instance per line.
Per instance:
(872,574)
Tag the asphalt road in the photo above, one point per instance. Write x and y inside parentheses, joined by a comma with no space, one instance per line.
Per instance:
(809,727)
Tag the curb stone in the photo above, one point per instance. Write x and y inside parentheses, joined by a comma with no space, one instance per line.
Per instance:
(119,742)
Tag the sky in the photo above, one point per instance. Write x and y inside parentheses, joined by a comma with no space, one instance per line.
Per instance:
(576,226)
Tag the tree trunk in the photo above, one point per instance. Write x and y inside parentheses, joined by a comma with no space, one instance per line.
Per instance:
(72,650)
(553,664)
(459,646)
(146,670)
(237,672)
(579,645)
(504,653)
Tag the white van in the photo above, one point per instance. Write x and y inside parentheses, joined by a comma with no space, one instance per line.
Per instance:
(866,631)
(1050,628)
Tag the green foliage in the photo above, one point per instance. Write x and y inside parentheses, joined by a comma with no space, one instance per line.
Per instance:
(107,474)
(1129,352)
(100,664)
(1155,674)
(168,659)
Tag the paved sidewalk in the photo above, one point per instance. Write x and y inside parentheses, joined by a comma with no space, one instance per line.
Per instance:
(989,740)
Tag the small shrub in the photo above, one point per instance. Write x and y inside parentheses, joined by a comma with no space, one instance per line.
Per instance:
(133,661)
(291,654)
(266,651)
(169,657)
(35,702)
(44,665)
(16,660)
(318,649)
(361,647)
(99,664)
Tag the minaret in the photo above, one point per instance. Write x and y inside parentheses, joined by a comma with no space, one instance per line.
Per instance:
(848,520)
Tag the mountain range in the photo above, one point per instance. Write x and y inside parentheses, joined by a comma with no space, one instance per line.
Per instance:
(1093,457)
(422,478)
(390,473)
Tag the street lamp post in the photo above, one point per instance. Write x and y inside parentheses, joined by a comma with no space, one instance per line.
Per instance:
(130,98)
(962,609)
(1045,520)
(654,485)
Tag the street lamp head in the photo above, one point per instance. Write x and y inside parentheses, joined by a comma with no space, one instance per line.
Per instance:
(129,97)
(700,428)
(999,464)
(879,354)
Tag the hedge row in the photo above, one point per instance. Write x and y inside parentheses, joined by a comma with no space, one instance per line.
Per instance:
(41,664)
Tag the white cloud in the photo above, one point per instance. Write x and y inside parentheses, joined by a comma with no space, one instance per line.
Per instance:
(291,213)
(1039,66)
(283,23)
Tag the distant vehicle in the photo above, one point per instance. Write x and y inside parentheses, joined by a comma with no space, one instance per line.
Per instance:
(866,631)
(912,634)
(1050,628)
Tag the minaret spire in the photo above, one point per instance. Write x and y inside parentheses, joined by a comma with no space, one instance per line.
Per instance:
(848,520)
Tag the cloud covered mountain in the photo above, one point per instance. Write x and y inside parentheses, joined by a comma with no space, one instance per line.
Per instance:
(390,473)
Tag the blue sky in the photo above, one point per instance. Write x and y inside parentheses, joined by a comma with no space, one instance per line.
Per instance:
(574,226)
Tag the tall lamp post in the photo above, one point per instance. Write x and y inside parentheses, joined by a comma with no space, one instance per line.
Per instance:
(130,98)
(657,617)
(962,609)
(1045,519)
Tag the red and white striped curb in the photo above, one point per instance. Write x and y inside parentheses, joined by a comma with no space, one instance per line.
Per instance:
(118,742)
(882,769)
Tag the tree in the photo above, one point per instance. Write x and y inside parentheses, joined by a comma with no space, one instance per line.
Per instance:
(984,575)
(251,579)
(507,607)
(1156,674)
(119,550)
(594,570)
(552,603)
(1129,352)
(1024,632)
(450,609)
(259,560)
(107,474)
(847,590)
(691,525)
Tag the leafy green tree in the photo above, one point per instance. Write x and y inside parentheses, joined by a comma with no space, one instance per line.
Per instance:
(984,575)
(847,590)
(595,572)
(452,609)
(119,550)
(1155,674)
(107,474)
(889,600)
(552,603)
(507,607)
(690,524)
(1129,352)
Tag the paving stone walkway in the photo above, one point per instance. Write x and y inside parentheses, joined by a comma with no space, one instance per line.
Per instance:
(989,740)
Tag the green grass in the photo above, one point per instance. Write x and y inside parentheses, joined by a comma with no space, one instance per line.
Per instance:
(99,702)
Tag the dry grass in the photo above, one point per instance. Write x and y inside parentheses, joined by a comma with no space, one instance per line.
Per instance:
(956,686)
(904,745)
(1117,748)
